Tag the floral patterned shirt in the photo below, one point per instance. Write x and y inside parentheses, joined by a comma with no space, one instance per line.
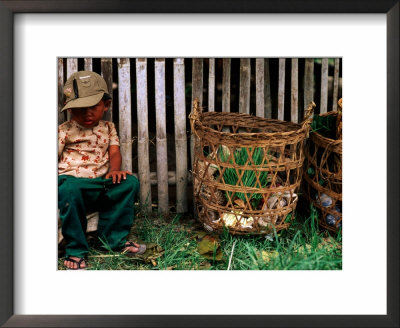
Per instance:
(83,152)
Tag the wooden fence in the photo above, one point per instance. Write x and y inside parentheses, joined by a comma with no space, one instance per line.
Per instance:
(254,75)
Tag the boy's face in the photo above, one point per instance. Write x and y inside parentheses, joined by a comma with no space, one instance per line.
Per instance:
(90,116)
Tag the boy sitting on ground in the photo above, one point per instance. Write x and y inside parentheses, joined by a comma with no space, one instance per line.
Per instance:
(89,172)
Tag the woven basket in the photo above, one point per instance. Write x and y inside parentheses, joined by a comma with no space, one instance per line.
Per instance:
(246,170)
(322,176)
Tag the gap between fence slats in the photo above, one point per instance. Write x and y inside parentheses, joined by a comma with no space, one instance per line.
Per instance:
(308,82)
(143,134)
(281,89)
(226,85)
(61,115)
(267,90)
(211,85)
(180,135)
(324,86)
(72,67)
(106,73)
(161,133)
(260,87)
(171,178)
(88,64)
(335,84)
(294,106)
(244,85)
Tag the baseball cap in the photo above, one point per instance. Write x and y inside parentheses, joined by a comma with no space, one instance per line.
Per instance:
(84,89)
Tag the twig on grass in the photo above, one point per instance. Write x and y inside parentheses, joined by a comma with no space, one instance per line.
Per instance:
(105,255)
(230,258)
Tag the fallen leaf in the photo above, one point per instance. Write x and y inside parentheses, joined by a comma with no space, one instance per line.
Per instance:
(205,265)
(199,234)
(207,246)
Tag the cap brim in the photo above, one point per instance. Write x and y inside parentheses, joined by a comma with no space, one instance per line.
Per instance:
(83,102)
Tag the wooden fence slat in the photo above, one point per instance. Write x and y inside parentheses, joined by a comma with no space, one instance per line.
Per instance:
(336,84)
(106,73)
(143,134)
(72,67)
(267,90)
(324,86)
(294,106)
(124,96)
(180,135)
(260,87)
(88,64)
(308,82)
(61,115)
(244,87)
(197,92)
(197,80)
(281,90)
(211,85)
(226,85)
(161,133)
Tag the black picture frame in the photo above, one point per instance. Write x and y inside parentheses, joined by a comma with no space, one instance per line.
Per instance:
(7,11)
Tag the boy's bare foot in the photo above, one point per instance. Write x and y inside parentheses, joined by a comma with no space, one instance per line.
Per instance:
(134,248)
(74,263)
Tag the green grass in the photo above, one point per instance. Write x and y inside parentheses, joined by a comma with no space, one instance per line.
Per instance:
(302,247)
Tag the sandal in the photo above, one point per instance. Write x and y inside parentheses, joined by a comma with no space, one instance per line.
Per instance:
(141,248)
(82,260)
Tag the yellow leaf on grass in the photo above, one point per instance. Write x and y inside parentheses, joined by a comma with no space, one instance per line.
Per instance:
(303,250)
(209,248)
(269,255)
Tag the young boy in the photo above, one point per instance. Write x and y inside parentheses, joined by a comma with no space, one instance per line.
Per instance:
(89,172)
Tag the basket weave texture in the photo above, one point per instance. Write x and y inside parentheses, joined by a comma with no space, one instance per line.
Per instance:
(322,176)
(246,170)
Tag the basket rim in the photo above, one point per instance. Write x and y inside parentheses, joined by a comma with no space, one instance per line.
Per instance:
(331,112)
(295,128)
(335,142)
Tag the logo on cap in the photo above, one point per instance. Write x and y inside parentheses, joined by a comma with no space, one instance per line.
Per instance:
(68,92)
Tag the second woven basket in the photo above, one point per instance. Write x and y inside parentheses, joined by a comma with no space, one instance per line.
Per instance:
(322,176)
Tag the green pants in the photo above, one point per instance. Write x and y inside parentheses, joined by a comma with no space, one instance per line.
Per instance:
(114,202)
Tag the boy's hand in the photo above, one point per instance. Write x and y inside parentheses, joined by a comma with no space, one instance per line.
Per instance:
(117,175)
